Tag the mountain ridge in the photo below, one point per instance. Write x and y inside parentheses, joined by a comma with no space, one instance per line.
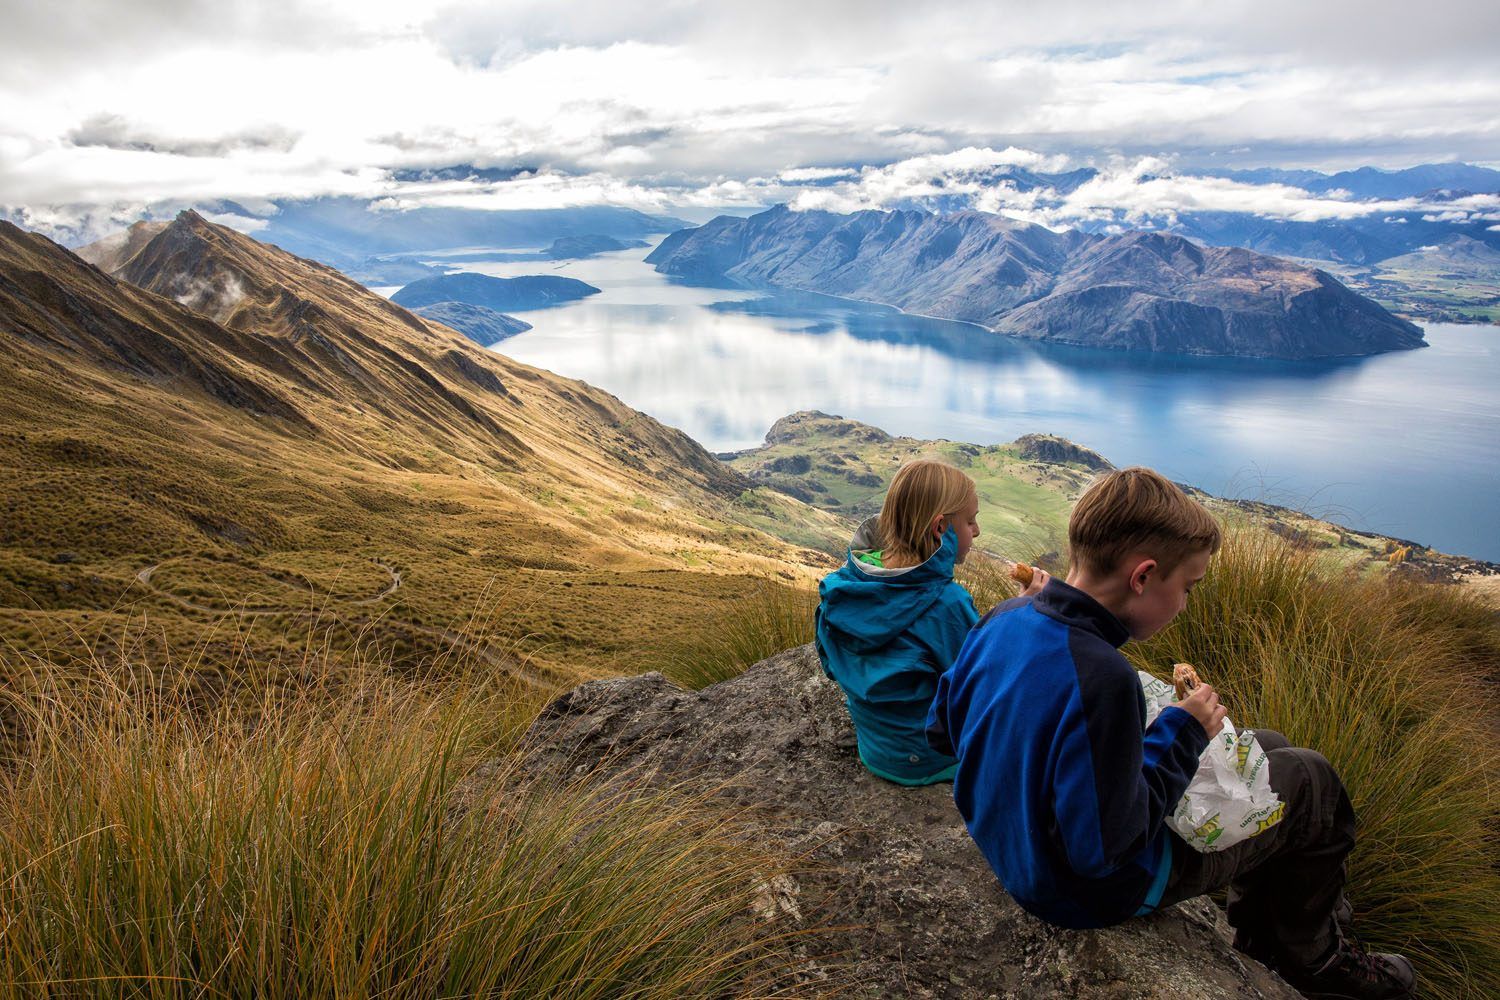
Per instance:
(1129,291)
(282,436)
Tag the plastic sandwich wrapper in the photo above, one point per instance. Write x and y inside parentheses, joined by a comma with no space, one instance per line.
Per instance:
(1230,799)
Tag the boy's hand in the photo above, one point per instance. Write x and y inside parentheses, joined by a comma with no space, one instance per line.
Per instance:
(1039,579)
(1203,705)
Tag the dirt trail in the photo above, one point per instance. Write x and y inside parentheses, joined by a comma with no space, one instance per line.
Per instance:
(144,578)
(505,662)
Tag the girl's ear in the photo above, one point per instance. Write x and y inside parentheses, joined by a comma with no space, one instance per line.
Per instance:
(938,526)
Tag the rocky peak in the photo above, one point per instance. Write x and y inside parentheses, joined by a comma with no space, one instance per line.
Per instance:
(905,903)
(1054,450)
(798,426)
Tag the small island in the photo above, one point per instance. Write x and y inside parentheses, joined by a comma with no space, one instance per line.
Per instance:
(580,247)
(499,294)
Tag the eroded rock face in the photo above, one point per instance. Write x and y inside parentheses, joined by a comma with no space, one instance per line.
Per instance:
(918,911)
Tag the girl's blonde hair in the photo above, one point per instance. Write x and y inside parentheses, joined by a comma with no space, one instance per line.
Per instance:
(921,491)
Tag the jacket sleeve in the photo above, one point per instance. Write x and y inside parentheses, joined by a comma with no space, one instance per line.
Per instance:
(1113,787)
(937,718)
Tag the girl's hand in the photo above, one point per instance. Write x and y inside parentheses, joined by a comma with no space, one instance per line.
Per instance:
(1039,579)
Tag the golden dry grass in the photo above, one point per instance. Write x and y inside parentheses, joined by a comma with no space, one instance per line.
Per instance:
(360,839)
(1393,682)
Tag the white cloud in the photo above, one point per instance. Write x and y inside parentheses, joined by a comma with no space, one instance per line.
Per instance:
(109,104)
(803,175)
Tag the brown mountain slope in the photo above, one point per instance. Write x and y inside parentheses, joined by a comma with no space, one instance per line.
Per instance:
(280,440)
(1130,291)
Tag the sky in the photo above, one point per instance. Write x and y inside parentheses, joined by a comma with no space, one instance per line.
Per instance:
(111,107)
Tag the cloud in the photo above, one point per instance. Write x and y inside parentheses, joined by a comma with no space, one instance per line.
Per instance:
(1136,192)
(807,175)
(841,104)
(117,132)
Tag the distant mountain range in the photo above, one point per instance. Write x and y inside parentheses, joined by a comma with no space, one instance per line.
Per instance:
(1361,239)
(341,231)
(1137,291)
(360,237)
(1369,182)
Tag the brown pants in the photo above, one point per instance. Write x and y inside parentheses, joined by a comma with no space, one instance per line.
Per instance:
(1285,884)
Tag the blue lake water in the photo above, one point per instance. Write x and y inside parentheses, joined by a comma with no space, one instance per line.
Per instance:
(1406,444)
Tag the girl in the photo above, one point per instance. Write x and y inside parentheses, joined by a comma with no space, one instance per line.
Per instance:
(892,618)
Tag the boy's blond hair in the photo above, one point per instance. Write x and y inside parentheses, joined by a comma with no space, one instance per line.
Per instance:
(921,491)
(1137,510)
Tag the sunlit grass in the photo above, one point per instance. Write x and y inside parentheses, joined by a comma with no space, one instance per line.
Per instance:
(373,840)
(1388,680)
(768,619)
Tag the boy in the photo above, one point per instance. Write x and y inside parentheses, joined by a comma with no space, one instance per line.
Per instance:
(1067,793)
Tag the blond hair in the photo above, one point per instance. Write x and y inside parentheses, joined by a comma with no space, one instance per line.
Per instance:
(1137,510)
(921,491)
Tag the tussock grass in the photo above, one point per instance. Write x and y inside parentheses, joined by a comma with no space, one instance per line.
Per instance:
(767,619)
(987,580)
(370,840)
(1383,677)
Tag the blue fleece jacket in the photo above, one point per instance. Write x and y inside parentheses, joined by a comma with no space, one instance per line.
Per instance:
(1062,786)
(884,635)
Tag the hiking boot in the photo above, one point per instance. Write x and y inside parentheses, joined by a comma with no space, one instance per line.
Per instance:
(1351,973)
(1257,945)
(1343,912)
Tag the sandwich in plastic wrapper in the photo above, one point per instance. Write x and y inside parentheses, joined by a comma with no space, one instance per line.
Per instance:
(1230,799)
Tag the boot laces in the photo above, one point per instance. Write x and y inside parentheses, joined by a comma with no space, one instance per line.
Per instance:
(1353,960)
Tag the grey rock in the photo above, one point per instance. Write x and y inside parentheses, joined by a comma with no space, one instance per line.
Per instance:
(1054,450)
(906,903)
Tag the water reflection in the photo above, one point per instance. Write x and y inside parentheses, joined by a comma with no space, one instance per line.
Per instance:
(1403,443)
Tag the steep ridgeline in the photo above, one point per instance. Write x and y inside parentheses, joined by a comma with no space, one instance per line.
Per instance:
(1133,291)
(232,427)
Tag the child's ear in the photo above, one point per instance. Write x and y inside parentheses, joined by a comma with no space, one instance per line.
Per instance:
(939,525)
(1141,574)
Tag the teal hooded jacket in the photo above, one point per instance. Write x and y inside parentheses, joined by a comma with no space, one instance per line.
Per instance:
(885,636)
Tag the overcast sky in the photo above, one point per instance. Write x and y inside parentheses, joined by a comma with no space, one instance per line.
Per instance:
(110,106)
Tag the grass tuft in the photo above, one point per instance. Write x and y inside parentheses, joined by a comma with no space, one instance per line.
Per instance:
(376,844)
(768,619)
(1390,680)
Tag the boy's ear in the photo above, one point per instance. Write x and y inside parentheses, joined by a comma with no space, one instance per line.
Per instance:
(1141,574)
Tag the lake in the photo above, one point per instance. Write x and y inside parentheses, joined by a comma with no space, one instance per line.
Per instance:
(1404,444)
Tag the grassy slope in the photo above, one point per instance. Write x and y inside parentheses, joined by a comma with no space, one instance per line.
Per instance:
(1455,282)
(572,526)
(292,454)
(1026,490)
(844,467)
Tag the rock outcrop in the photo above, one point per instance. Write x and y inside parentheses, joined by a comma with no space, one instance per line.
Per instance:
(907,905)
(1053,450)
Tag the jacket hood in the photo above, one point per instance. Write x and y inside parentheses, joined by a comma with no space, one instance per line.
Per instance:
(870,605)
